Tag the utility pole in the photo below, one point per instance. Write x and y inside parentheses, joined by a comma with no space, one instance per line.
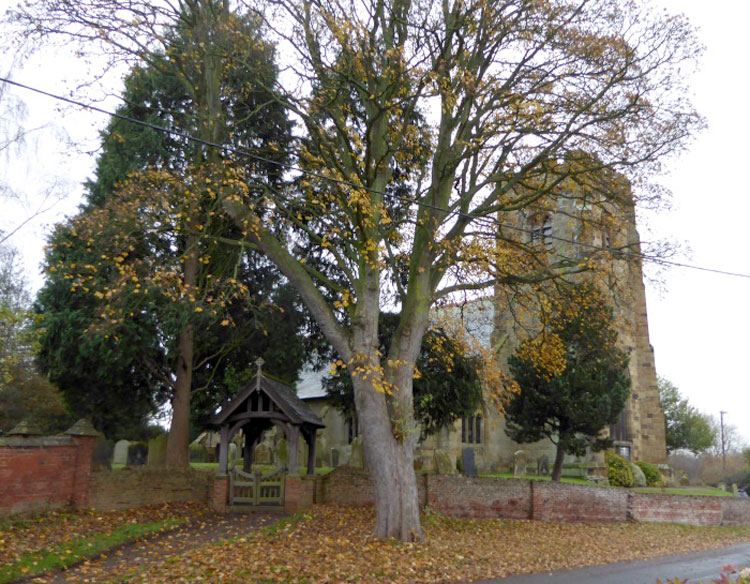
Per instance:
(723,443)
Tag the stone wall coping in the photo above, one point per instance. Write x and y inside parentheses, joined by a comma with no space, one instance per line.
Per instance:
(36,441)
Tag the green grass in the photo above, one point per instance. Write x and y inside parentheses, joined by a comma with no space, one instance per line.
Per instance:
(700,491)
(264,468)
(62,556)
(508,475)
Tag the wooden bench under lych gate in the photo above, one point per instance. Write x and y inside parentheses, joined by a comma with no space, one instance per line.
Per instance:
(255,488)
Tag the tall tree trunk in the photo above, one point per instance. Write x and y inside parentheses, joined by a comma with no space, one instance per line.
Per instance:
(389,460)
(559,457)
(179,429)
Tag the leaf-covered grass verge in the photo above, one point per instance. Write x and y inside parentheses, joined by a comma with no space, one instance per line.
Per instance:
(57,529)
(62,556)
(334,545)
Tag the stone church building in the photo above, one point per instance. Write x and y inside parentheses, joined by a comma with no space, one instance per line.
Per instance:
(639,435)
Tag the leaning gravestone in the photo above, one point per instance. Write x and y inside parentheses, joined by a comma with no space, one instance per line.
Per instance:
(120,454)
(519,463)
(443,463)
(468,464)
(542,465)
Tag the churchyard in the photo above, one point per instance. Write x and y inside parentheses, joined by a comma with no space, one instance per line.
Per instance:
(327,543)
(162,526)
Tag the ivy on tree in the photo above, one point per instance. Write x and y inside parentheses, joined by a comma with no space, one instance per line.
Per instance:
(572,378)
(447,386)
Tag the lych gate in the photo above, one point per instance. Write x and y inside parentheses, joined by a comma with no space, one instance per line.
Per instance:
(260,405)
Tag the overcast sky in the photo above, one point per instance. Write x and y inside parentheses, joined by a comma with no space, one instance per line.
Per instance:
(699,321)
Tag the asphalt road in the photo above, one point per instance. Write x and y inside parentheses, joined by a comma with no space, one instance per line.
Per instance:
(693,567)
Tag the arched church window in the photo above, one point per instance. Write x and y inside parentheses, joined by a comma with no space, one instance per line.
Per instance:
(471,429)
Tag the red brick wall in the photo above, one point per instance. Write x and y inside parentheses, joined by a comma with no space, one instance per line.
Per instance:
(299,492)
(654,507)
(522,499)
(736,511)
(138,486)
(36,477)
(566,502)
(479,497)
(352,486)
(220,494)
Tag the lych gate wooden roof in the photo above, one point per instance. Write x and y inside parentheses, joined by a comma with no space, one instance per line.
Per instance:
(265,398)
(261,403)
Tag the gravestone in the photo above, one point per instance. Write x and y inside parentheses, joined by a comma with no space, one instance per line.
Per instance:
(120,453)
(357,459)
(519,463)
(263,454)
(102,456)
(322,452)
(281,454)
(335,455)
(345,453)
(157,451)
(137,454)
(443,463)
(468,463)
(735,490)
(542,465)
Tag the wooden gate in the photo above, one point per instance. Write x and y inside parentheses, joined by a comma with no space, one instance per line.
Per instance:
(256,489)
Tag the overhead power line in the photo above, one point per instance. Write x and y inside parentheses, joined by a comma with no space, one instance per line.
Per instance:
(288,166)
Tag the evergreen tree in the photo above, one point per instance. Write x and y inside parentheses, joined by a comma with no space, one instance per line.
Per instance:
(686,427)
(117,303)
(572,378)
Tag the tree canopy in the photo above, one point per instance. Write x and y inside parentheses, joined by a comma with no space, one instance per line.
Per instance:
(687,428)
(24,393)
(447,386)
(150,255)
(572,378)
